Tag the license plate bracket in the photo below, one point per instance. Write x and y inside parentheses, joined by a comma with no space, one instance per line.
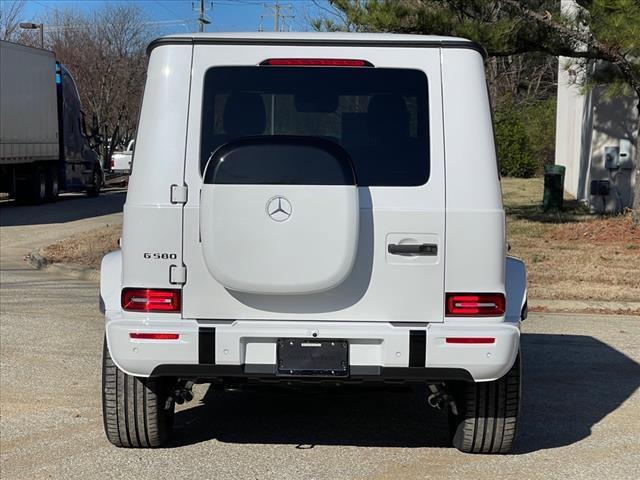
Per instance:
(312,357)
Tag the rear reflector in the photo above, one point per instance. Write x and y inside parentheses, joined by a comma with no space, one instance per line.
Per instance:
(475,305)
(316,62)
(470,340)
(154,336)
(150,300)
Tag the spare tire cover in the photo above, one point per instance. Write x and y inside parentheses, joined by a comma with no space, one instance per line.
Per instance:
(279,215)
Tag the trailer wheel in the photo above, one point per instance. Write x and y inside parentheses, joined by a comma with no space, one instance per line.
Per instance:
(96,183)
(32,188)
(137,412)
(487,414)
(53,184)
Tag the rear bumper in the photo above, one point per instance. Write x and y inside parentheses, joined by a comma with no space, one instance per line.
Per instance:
(247,348)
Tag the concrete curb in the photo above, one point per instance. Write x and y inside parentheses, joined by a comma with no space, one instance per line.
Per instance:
(37,261)
(582,306)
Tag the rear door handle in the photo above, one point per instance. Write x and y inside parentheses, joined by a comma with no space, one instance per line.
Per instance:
(424,249)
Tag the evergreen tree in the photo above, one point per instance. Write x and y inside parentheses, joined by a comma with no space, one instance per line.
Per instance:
(603,31)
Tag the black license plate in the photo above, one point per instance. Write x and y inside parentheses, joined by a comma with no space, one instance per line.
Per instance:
(311,357)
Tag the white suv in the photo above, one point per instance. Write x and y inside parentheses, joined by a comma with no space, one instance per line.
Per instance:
(314,208)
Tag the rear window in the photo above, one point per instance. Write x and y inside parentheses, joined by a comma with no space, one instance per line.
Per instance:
(378,115)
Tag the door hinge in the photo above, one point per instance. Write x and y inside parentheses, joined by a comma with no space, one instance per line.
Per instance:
(179,194)
(177,275)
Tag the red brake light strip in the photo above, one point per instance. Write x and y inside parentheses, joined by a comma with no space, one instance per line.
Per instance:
(316,62)
(154,336)
(467,340)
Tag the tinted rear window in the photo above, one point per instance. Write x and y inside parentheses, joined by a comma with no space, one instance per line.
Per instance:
(379,115)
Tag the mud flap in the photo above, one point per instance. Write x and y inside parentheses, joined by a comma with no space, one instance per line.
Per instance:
(516,289)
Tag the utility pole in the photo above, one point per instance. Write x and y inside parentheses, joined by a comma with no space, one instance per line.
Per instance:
(202,20)
(279,12)
(276,17)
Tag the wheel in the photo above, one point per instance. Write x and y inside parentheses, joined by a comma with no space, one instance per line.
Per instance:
(487,414)
(32,187)
(53,186)
(96,183)
(137,412)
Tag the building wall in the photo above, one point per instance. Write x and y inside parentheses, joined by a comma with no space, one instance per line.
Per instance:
(569,132)
(585,125)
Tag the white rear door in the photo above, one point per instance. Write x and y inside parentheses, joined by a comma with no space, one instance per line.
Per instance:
(387,115)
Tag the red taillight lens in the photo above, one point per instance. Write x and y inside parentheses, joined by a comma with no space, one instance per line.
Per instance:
(150,300)
(467,340)
(475,305)
(316,62)
(154,336)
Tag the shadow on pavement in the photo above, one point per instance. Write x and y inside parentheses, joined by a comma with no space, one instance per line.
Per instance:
(571,382)
(68,208)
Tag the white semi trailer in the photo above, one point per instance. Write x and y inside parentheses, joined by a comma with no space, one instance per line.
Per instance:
(44,147)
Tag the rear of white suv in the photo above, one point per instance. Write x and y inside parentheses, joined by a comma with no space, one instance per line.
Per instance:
(314,208)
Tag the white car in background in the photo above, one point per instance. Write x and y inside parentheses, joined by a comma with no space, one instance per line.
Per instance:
(121,160)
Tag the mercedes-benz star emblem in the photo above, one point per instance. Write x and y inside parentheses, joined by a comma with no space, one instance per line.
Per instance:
(279,209)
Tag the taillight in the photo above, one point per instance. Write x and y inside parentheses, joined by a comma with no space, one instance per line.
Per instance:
(316,62)
(113,164)
(150,300)
(475,305)
(154,336)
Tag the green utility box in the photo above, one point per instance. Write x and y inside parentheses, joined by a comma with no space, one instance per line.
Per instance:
(553,187)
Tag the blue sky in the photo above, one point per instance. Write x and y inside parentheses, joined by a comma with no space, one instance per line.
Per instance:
(226,15)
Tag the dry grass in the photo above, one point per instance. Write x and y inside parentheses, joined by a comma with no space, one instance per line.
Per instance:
(571,255)
(86,249)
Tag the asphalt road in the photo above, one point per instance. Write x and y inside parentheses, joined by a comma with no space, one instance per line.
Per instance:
(580,417)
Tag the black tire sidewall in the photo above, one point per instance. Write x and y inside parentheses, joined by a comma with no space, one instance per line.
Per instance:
(53,184)
(39,185)
(96,183)
(468,395)
(152,416)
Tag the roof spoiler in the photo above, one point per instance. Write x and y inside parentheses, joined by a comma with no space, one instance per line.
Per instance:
(318,42)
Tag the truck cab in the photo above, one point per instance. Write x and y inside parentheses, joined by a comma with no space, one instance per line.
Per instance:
(82,166)
(315,209)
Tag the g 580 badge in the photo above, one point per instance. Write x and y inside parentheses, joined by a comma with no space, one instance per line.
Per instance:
(160,256)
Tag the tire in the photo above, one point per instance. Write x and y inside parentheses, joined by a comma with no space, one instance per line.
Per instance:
(137,412)
(96,184)
(32,189)
(53,186)
(487,414)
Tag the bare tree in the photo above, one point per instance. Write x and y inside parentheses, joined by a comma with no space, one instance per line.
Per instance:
(105,52)
(522,77)
(10,16)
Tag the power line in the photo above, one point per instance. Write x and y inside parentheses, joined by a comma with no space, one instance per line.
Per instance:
(280,12)
(162,4)
(45,6)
